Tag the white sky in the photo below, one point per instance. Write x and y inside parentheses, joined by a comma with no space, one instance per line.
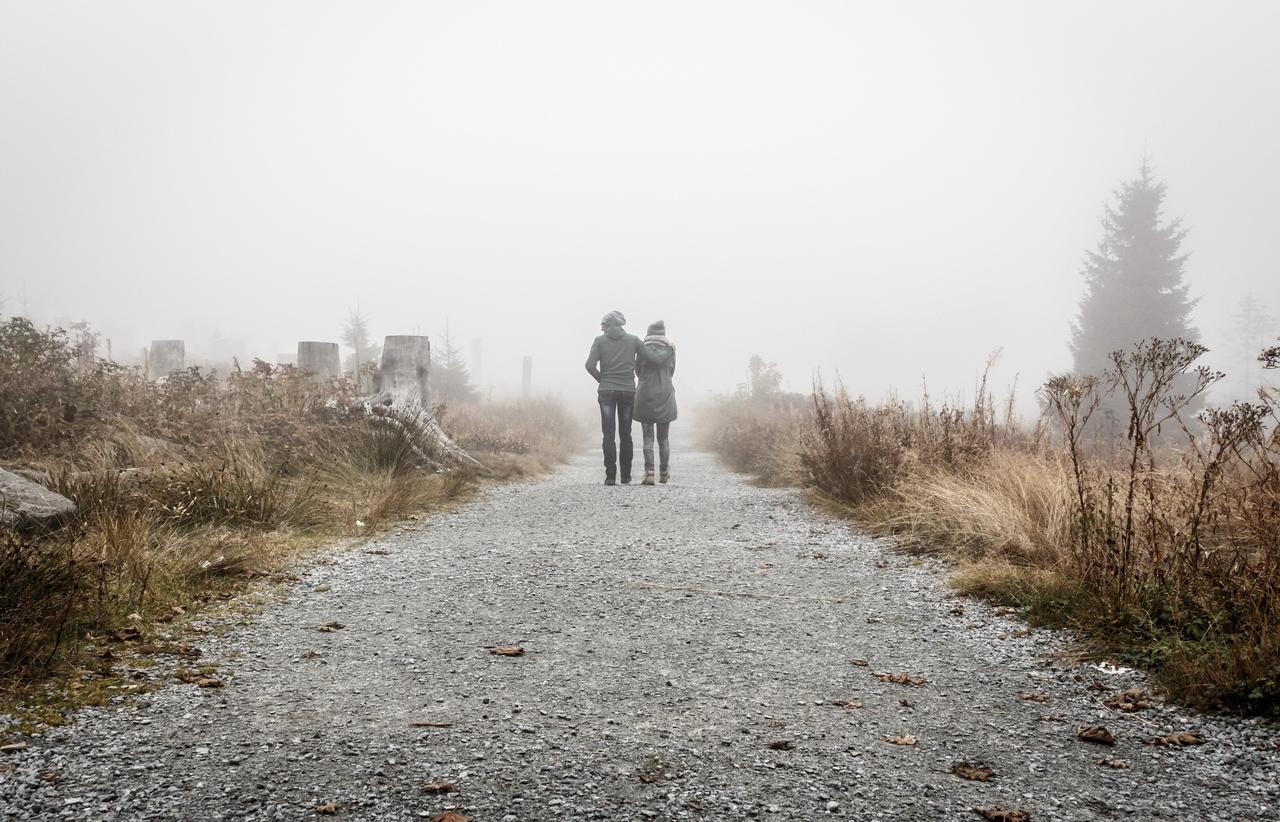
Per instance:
(887,190)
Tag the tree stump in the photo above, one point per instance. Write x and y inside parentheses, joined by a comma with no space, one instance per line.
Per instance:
(320,360)
(165,357)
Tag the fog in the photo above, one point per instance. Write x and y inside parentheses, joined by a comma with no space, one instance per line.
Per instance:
(885,191)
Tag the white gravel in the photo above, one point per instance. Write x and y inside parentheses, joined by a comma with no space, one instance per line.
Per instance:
(671,635)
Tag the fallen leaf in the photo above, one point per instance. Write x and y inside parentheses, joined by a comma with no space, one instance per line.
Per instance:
(1181,739)
(1033,696)
(328,808)
(440,786)
(906,703)
(874,620)
(1020,634)
(1134,699)
(198,679)
(134,617)
(1052,718)
(970,770)
(1001,814)
(1118,764)
(906,739)
(861,663)
(450,816)
(1095,733)
(507,650)
(330,627)
(782,745)
(312,655)
(851,704)
(1005,610)
(125,635)
(1098,685)
(648,778)
(957,611)
(49,776)
(900,679)
(431,724)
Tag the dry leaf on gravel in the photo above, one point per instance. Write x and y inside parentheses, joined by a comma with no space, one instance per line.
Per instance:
(1033,696)
(851,704)
(330,627)
(900,679)
(1095,733)
(431,724)
(1134,699)
(906,739)
(971,770)
(957,611)
(1098,685)
(1001,814)
(125,635)
(906,703)
(450,816)
(328,808)
(1052,718)
(782,745)
(507,650)
(1181,739)
(861,663)
(440,786)
(198,679)
(1117,764)
(1020,633)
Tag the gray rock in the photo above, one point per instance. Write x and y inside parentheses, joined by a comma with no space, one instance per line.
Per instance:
(27,505)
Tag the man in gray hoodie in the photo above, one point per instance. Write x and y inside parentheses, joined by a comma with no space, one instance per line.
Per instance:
(612,362)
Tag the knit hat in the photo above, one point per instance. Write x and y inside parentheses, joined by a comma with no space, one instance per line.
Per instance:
(657,329)
(614,318)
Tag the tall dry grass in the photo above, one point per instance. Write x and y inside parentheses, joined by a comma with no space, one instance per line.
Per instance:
(1162,544)
(190,487)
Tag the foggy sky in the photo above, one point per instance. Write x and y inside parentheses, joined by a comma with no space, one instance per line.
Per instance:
(883,190)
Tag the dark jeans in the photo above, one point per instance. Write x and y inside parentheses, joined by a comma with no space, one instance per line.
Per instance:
(664,445)
(619,405)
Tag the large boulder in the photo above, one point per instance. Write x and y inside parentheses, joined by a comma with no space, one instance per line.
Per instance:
(27,505)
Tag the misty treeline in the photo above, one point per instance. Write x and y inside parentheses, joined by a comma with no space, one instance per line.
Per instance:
(1132,509)
(189,485)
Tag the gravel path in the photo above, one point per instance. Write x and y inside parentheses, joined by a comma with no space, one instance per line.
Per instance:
(672,635)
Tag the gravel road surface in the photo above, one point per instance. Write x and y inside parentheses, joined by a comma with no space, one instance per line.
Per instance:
(689,652)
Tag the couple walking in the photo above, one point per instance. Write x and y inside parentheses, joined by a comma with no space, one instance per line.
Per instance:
(616,359)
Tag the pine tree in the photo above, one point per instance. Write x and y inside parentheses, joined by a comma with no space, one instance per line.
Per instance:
(450,377)
(1134,286)
(355,334)
(1252,328)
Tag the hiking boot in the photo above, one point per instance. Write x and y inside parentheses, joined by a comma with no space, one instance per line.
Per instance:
(626,479)
(648,478)
(609,480)
(665,478)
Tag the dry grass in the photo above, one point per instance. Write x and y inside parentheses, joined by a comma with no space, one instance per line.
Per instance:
(1164,546)
(757,436)
(234,479)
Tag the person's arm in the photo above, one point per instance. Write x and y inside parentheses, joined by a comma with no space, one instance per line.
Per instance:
(673,363)
(593,361)
(656,355)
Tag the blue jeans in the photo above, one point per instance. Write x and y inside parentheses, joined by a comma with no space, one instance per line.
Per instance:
(619,405)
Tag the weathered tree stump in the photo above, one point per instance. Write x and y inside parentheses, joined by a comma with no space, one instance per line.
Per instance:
(165,357)
(320,360)
(402,401)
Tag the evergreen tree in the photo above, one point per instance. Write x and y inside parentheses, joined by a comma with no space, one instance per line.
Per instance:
(450,377)
(1252,328)
(1134,286)
(355,334)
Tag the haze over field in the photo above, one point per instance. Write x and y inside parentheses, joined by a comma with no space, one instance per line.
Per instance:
(883,190)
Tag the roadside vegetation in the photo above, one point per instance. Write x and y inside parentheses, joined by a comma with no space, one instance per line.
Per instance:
(1152,530)
(189,487)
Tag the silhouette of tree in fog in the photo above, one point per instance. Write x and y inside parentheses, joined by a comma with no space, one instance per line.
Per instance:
(355,335)
(1252,328)
(1134,287)
(450,376)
